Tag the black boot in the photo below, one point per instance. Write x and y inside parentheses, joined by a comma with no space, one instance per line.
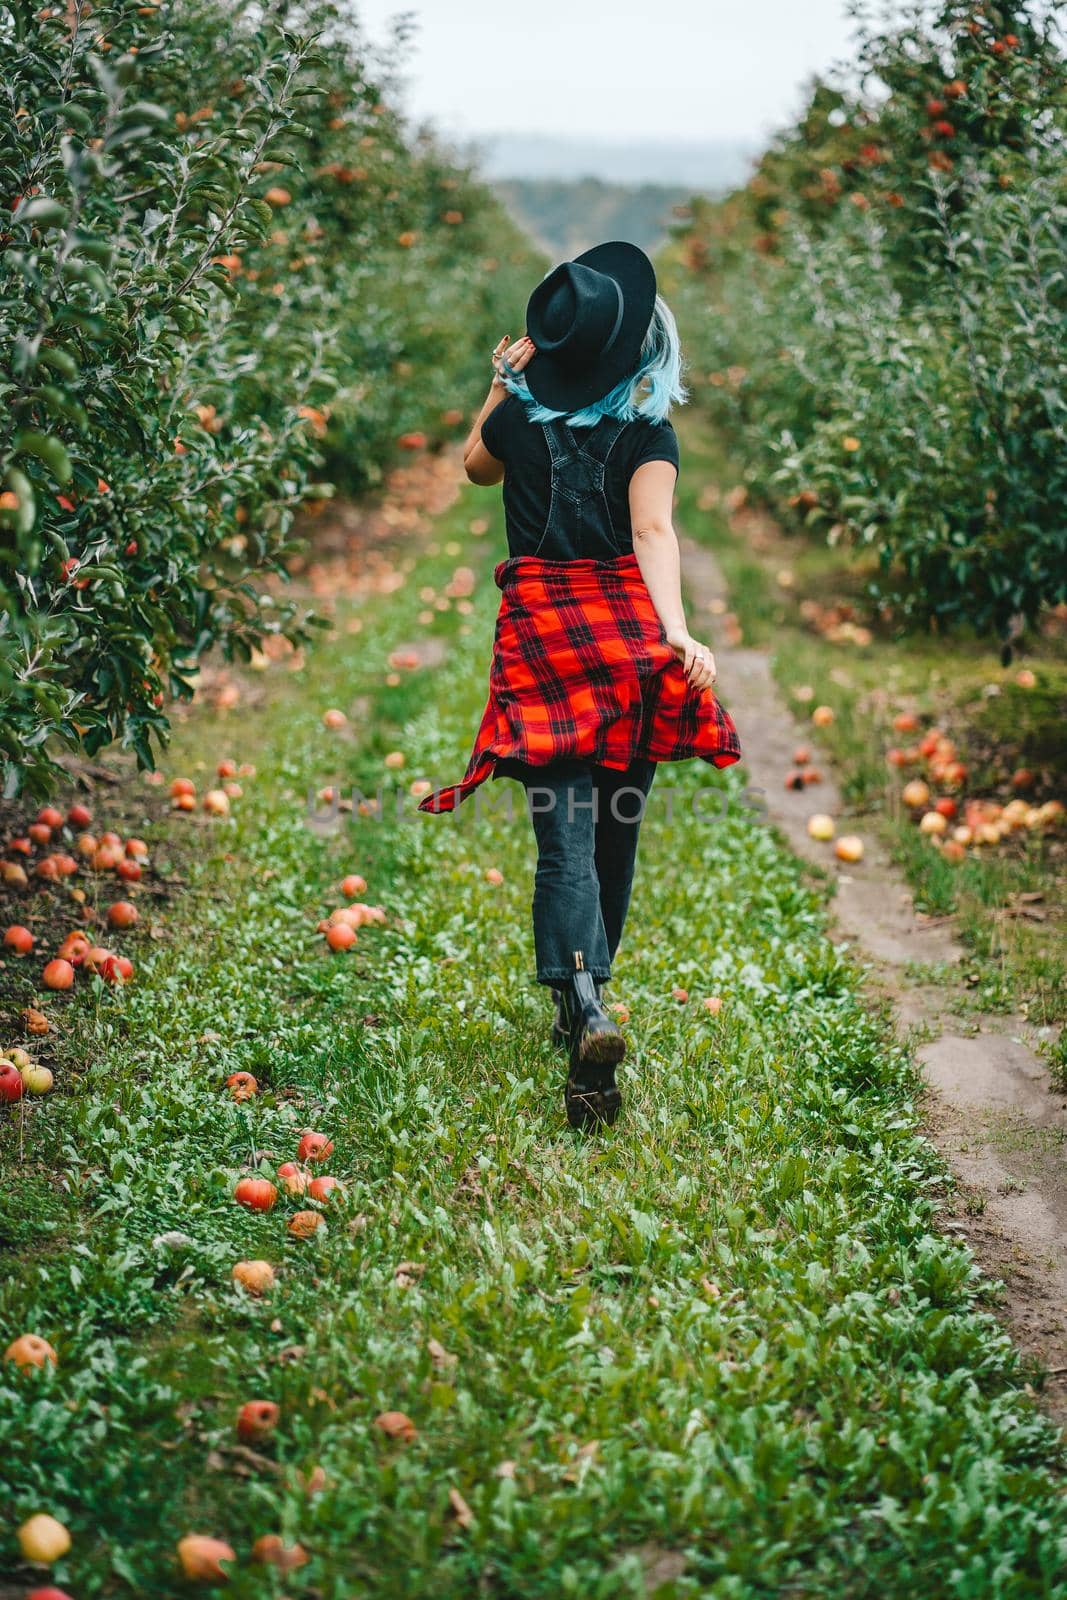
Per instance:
(561,1033)
(596,1048)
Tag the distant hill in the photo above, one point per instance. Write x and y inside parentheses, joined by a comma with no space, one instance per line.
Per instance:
(568,194)
(565,218)
(706,167)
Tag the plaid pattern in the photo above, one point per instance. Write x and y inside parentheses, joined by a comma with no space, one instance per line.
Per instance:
(581,668)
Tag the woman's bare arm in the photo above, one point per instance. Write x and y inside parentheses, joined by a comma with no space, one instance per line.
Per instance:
(481,467)
(656,549)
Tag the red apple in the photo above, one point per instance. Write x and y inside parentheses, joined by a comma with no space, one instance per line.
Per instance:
(242,1085)
(18,939)
(915,794)
(258,1194)
(314,1146)
(294,1179)
(256,1420)
(29,1350)
(322,1188)
(79,816)
(58,974)
(11,1084)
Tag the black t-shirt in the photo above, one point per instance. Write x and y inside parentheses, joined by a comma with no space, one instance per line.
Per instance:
(521,445)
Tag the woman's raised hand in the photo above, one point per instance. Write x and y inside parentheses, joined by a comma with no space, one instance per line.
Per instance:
(517,355)
(698,662)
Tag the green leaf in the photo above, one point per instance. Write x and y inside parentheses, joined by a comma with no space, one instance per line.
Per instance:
(42,212)
(48,449)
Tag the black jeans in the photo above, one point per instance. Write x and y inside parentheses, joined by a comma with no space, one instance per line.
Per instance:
(586,820)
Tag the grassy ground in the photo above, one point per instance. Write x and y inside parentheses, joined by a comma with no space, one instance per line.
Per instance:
(1007,901)
(720,1351)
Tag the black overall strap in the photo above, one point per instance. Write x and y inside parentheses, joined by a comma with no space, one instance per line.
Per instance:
(597,444)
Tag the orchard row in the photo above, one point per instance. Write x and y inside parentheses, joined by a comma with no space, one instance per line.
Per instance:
(877,317)
(229,274)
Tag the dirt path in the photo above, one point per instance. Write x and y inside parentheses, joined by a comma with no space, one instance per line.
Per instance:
(991,1108)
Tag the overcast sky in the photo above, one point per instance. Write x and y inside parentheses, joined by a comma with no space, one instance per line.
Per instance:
(637,69)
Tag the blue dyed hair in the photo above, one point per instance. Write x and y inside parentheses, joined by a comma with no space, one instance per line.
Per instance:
(658,370)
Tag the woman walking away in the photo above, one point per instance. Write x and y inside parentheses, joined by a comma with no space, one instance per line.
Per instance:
(595,676)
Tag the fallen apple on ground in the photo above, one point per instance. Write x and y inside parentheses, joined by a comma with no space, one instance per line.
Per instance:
(325,1187)
(396,1425)
(340,936)
(201,1558)
(30,1350)
(36,1080)
(256,1194)
(849,848)
(820,827)
(242,1085)
(294,1179)
(11,1084)
(270,1550)
(302,1224)
(257,1277)
(314,1146)
(257,1419)
(43,1539)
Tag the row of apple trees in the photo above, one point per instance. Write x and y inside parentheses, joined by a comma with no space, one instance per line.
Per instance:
(878,316)
(229,272)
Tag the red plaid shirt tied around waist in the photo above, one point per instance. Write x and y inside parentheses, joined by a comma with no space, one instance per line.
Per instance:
(581,668)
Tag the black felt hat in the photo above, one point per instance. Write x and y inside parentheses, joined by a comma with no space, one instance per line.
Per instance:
(588,319)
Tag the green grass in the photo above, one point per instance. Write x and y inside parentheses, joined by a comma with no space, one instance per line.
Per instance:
(958,685)
(724,1346)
